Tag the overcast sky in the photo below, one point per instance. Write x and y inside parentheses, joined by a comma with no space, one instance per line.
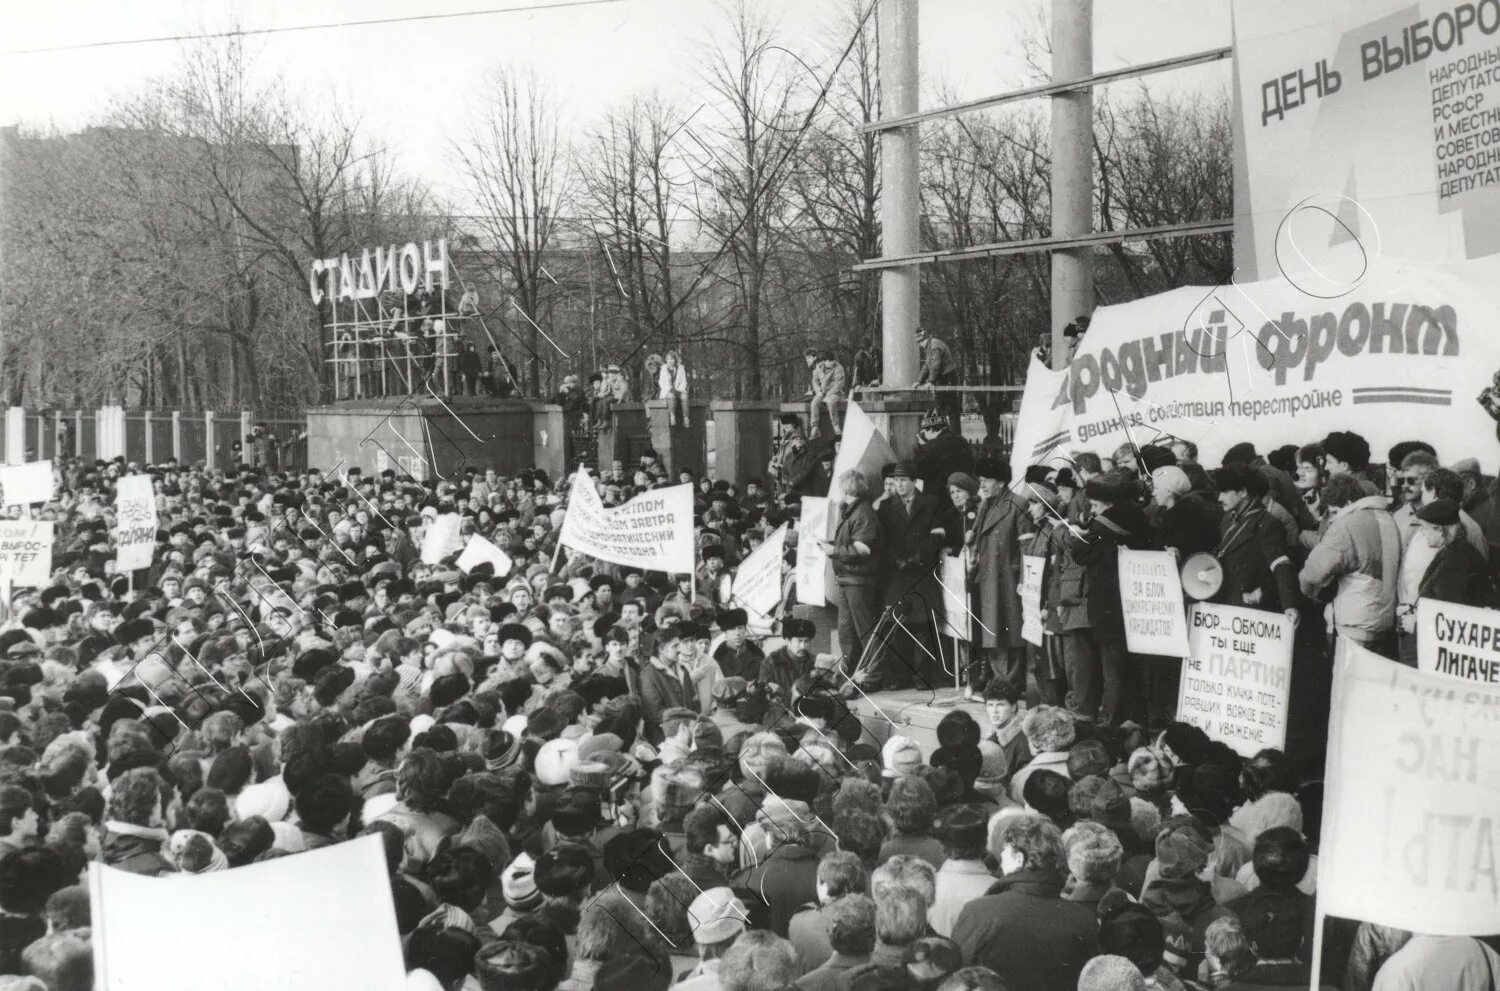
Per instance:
(410,82)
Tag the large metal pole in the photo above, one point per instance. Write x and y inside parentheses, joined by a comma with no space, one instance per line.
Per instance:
(1072,167)
(900,193)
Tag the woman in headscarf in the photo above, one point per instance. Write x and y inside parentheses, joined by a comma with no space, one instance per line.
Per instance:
(1451,571)
(1184,522)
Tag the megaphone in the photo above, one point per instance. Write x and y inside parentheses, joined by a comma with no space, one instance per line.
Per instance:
(725,591)
(1202,577)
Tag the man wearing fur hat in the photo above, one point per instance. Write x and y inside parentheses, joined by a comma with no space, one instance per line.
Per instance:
(793,659)
(994,574)
(913,536)
(1117,522)
(940,452)
(738,656)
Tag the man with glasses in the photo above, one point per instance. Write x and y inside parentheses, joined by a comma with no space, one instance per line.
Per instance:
(1414,469)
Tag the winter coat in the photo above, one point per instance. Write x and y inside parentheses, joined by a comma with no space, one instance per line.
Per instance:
(1064,587)
(995,570)
(1188,525)
(1459,574)
(857,523)
(1255,557)
(938,458)
(910,553)
(668,383)
(1098,550)
(661,690)
(1359,559)
(1027,934)
(828,380)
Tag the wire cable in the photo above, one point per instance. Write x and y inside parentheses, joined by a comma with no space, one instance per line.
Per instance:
(290,28)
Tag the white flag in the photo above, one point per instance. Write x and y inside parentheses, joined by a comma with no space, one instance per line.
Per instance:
(757,581)
(479,550)
(22,485)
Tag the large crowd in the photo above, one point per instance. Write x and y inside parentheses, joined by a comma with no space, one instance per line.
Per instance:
(586,777)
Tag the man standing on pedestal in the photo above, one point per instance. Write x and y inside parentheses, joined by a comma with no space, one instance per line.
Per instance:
(940,369)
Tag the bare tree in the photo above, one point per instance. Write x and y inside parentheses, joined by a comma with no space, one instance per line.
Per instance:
(742,170)
(514,166)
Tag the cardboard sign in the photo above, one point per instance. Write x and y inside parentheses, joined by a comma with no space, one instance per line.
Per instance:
(136,523)
(954,574)
(25,552)
(1461,641)
(653,531)
(298,944)
(479,550)
(1151,599)
(1412,792)
(757,581)
(1033,566)
(812,562)
(1237,677)
(441,538)
(22,485)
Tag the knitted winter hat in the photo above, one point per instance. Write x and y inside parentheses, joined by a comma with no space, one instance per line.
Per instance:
(518,884)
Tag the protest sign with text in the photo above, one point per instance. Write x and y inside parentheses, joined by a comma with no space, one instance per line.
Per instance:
(22,485)
(25,552)
(135,513)
(1462,641)
(1237,677)
(1151,600)
(757,581)
(1412,799)
(812,561)
(1033,567)
(653,531)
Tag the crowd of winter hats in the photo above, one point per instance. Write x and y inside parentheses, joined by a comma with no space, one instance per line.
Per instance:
(289,674)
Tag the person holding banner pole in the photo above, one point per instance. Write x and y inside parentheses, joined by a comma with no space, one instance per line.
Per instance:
(856,586)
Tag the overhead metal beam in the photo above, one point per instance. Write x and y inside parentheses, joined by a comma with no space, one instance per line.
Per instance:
(998,248)
(1051,89)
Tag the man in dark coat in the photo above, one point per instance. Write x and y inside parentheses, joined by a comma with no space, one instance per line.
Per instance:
(1258,572)
(1117,522)
(995,571)
(913,537)
(1458,573)
(940,453)
(1023,930)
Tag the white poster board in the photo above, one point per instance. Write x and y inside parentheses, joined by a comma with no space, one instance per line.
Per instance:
(25,552)
(1151,600)
(757,581)
(479,550)
(954,574)
(812,561)
(136,522)
(1237,677)
(1412,788)
(1033,567)
(653,531)
(332,925)
(1459,641)
(441,538)
(22,485)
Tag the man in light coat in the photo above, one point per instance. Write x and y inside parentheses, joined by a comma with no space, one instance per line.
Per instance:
(1357,564)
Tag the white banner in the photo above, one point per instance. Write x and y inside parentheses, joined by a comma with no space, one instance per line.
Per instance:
(1412,789)
(136,523)
(1151,599)
(1033,567)
(479,550)
(1363,124)
(954,574)
(25,552)
(653,531)
(1461,641)
(300,948)
(1237,677)
(441,537)
(757,581)
(812,562)
(1405,354)
(1042,433)
(22,485)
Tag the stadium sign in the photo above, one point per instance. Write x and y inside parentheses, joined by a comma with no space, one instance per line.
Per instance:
(399,268)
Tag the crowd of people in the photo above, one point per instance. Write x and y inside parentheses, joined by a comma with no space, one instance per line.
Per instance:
(586,777)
